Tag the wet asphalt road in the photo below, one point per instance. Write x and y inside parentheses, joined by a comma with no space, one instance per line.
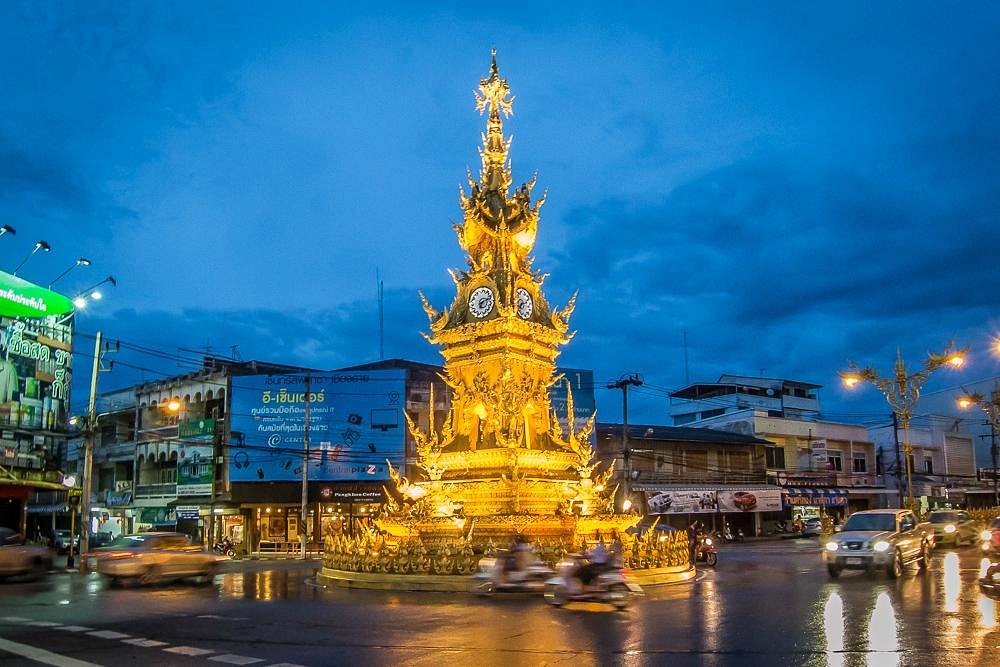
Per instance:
(765,604)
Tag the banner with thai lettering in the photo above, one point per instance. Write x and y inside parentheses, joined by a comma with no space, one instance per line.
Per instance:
(680,502)
(356,422)
(815,497)
(195,457)
(752,500)
(36,367)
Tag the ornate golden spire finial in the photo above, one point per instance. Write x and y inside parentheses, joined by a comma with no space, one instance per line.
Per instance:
(494,93)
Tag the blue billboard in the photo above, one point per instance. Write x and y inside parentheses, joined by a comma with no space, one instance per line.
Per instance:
(356,422)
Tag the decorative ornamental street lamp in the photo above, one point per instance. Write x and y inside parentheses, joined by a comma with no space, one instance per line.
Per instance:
(902,391)
(991,406)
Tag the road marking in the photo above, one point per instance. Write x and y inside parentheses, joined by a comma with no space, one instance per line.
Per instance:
(108,634)
(14,619)
(285,664)
(75,628)
(43,624)
(232,659)
(145,643)
(223,618)
(43,656)
(189,650)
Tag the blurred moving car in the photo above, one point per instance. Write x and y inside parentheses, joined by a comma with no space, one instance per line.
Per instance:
(989,583)
(954,527)
(154,557)
(61,542)
(991,538)
(18,558)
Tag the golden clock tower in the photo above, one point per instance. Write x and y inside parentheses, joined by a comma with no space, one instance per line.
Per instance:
(502,456)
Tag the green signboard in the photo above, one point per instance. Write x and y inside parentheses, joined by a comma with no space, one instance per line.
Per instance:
(19,298)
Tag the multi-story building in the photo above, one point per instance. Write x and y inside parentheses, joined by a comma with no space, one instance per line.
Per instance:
(735,393)
(36,338)
(942,461)
(684,473)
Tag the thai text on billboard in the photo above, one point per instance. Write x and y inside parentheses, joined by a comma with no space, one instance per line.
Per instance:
(356,423)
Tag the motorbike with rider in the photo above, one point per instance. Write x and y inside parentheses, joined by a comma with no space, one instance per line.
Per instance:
(515,570)
(592,578)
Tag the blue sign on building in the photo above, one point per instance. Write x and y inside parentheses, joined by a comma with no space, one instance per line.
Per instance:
(356,422)
(581,382)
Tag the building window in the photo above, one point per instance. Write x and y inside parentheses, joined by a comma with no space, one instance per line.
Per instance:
(928,466)
(860,463)
(775,457)
(708,414)
(835,461)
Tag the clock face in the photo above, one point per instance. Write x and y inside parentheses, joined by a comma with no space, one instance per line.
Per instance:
(524,304)
(481,301)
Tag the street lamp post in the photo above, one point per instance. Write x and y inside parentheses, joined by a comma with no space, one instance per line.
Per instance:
(991,406)
(902,391)
(39,245)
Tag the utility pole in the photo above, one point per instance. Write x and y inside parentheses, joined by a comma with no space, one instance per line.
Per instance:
(993,455)
(303,526)
(88,454)
(899,470)
(624,383)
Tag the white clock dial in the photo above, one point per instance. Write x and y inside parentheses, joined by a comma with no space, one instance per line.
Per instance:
(481,301)
(524,304)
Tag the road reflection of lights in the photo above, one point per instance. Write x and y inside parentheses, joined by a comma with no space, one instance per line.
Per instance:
(63,601)
(984,565)
(987,613)
(952,583)
(883,633)
(833,628)
(712,614)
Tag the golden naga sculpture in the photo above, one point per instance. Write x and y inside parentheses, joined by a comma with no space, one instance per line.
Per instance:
(501,463)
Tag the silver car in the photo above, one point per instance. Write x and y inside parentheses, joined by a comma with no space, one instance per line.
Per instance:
(150,558)
(954,527)
(19,559)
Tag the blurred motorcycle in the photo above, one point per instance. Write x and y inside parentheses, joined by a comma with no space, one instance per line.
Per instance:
(608,584)
(511,572)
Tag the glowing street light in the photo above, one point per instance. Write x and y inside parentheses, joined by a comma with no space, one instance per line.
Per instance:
(991,406)
(39,245)
(92,293)
(902,392)
(7,229)
(83,261)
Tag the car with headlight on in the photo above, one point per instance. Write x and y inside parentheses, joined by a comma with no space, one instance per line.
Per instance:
(953,527)
(873,540)
(150,558)
(991,538)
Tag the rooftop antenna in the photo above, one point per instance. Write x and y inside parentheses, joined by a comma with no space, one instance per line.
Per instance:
(381,314)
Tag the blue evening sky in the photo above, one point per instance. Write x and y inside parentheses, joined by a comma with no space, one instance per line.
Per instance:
(789,184)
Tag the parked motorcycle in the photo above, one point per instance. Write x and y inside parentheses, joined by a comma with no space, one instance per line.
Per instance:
(225,548)
(610,584)
(729,536)
(705,552)
(511,572)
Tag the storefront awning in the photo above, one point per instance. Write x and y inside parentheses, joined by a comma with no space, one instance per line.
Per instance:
(799,497)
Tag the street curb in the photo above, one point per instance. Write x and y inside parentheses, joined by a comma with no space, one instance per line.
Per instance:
(464,584)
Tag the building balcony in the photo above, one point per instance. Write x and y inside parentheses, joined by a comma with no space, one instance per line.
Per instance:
(155,490)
